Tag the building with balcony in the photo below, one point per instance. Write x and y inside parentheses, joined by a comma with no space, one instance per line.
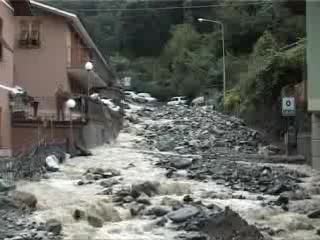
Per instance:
(49,50)
(9,10)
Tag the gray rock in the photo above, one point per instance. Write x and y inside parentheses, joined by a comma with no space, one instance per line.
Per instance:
(314,214)
(136,209)
(182,163)
(144,199)
(94,220)
(4,187)
(24,199)
(80,183)
(109,182)
(54,226)
(158,211)
(128,199)
(183,214)
(78,214)
(148,187)
(171,202)
(110,172)
(52,163)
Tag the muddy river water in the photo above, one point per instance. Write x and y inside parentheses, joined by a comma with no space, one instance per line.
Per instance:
(60,195)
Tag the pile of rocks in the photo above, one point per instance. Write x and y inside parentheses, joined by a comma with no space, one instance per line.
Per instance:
(199,130)
(104,176)
(202,222)
(136,197)
(15,223)
(250,177)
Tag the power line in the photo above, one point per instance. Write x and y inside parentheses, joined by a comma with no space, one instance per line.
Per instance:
(167,8)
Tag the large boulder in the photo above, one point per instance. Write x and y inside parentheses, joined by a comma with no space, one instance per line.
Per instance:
(148,187)
(106,211)
(181,163)
(109,182)
(229,225)
(183,214)
(52,163)
(78,214)
(94,220)
(24,199)
(158,211)
(314,214)
(54,226)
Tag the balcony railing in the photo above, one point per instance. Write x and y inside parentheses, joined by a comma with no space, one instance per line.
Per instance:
(46,108)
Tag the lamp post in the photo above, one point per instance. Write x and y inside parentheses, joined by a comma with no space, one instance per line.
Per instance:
(223,54)
(16,90)
(88,66)
(71,105)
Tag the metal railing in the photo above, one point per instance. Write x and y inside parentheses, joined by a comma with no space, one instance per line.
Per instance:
(46,108)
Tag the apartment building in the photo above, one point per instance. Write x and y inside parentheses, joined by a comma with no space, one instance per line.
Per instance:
(48,52)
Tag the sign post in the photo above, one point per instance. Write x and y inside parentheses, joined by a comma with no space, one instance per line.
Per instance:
(289,112)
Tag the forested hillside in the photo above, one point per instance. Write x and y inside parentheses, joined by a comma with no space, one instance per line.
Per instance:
(168,52)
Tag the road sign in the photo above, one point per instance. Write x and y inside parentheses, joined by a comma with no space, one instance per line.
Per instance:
(288,106)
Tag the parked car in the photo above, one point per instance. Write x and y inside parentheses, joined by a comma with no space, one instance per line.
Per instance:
(199,101)
(177,101)
(130,94)
(147,97)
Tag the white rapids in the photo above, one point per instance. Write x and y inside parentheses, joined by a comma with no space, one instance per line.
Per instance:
(60,195)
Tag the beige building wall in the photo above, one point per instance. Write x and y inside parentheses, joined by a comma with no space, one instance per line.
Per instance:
(6,75)
(40,70)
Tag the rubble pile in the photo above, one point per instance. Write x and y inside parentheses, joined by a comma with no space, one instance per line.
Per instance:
(250,177)
(210,145)
(203,222)
(199,130)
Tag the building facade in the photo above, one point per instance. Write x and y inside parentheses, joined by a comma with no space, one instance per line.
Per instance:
(6,71)
(46,56)
(8,12)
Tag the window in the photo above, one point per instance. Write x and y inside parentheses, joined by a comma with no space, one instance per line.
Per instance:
(1,40)
(29,34)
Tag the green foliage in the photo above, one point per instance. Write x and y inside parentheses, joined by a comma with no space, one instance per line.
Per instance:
(232,100)
(266,45)
(168,52)
(189,57)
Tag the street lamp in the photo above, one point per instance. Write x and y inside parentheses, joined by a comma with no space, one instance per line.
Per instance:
(223,49)
(71,104)
(16,90)
(88,66)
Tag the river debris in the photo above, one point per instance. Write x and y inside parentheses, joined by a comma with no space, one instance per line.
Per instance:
(15,223)
(210,145)
(199,130)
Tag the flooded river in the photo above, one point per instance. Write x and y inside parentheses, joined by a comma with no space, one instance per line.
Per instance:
(60,195)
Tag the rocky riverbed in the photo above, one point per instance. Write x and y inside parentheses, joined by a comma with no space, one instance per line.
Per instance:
(134,189)
(15,224)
